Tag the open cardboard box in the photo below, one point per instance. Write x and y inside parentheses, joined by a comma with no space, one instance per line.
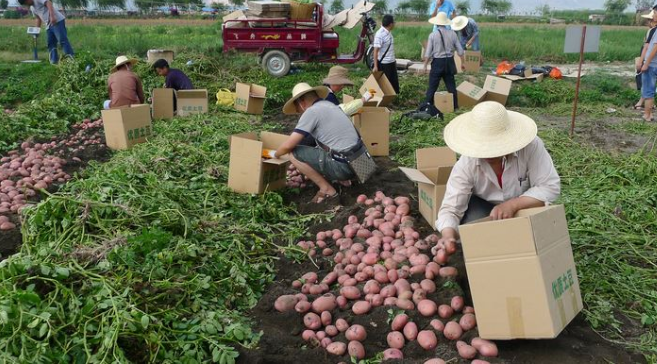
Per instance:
(384,93)
(250,98)
(248,172)
(522,274)
(434,166)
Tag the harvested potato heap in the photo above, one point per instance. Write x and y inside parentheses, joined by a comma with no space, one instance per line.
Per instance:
(36,166)
(381,261)
(296,179)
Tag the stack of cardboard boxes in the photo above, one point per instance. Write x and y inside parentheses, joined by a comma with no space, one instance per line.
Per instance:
(495,89)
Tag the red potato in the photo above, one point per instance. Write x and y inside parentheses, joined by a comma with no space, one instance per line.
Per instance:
(350,292)
(381,277)
(465,351)
(353,219)
(427,308)
(361,199)
(356,350)
(392,275)
(324,303)
(310,277)
(485,347)
(428,285)
(302,306)
(395,340)
(445,311)
(361,307)
(399,322)
(6,226)
(350,282)
(341,324)
(315,289)
(387,201)
(337,348)
(418,270)
(468,322)
(321,335)
(377,300)
(331,330)
(441,257)
(390,301)
(457,303)
(356,332)
(402,200)
(285,303)
(320,236)
(370,258)
(321,244)
(434,361)
(350,232)
(369,271)
(336,234)
(453,331)
(468,309)
(326,318)
(330,278)
(402,285)
(446,272)
(312,321)
(479,361)
(450,247)
(419,295)
(296,284)
(301,297)
(325,342)
(410,331)
(369,202)
(392,354)
(427,339)
(437,325)
(363,233)
(406,295)
(308,335)
(357,248)
(372,286)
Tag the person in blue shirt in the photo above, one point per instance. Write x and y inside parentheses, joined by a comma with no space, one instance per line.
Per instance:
(442,6)
(468,31)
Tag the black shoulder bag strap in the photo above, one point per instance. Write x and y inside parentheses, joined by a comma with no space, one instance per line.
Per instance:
(386,52)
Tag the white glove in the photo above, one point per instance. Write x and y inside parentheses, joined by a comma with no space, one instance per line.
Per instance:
(272,154)
(367,96)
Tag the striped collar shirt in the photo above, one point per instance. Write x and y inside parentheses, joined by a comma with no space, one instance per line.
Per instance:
(382,40)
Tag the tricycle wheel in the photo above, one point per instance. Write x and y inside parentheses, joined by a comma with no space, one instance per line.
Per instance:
(276,63)
(369,57)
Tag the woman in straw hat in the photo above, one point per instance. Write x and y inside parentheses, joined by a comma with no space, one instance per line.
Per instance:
(440,52)
(335,81)
(124,86)
(504,167)
(468,30)
(333,131)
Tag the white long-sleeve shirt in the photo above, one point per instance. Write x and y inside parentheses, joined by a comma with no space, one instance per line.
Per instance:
(527,172)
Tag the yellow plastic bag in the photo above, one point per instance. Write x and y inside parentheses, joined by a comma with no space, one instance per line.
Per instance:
(225,97)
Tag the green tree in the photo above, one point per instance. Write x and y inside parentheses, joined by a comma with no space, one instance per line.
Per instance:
(4,4)
(106,4)
(73,4)
(419,7)
(336,6)
(617,6)
(237,3)
(381,7)
(497,7)
(544,10)
(463,7)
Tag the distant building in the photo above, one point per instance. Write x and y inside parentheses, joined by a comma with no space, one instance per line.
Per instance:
(597,18)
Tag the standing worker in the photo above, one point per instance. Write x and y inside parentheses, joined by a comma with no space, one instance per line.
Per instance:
(504,167)
(173,78)
(45,12)
(440,52)
(652,25)
(649,76)
(442,6)
(468,30)
(124,86)
(384,51)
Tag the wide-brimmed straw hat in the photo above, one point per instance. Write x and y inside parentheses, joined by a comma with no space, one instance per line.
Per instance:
(459,22)
(440,19)
(121,60)
(489,131)
(649,15)
(299,90)
(337,76)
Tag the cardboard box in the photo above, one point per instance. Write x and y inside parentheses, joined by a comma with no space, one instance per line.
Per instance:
(472,61)
(384,93)
(162,102)
(373,124)
(469,94)
(538,77)
(127,126)
(433,168)
(247,171)
(192,102)
(235,15)
(154,54)
(522,274)
(444,101)
(300,11)
(250,98)
(497,89)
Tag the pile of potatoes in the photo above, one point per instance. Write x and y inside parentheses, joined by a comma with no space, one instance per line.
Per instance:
(376,259)
(295,179)
(35,166)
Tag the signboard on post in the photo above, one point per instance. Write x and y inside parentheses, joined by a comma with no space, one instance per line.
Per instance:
(581,39)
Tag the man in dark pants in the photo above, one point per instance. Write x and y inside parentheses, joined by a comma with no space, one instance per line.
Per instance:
(440,52)
(384,51)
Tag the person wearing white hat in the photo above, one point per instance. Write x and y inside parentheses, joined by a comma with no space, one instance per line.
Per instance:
(651,32)
(124,86)
(504,167)
(441,6)
(649,74)
(468,31)
(440,52)
(334,132)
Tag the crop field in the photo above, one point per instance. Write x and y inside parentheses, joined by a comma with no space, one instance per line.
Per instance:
(146,255)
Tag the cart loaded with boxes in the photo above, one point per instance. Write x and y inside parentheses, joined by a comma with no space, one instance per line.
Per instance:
(285,32)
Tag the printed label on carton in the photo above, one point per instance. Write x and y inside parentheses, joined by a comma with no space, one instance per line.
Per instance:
(198,108)
(562,284)
(139,132)
(424,196)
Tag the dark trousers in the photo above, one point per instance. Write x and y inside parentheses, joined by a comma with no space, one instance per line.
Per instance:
(478,208)
(440,70)
(390,70)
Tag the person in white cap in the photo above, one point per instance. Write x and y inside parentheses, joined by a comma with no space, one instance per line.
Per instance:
(652,25)
(504,167)
(649,75)
(441,6)
(468,31)
(124,86)
(334,132)
(440,53)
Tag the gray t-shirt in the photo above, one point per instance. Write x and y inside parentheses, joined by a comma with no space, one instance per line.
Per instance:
(328,124)
(40,9)
(651,46)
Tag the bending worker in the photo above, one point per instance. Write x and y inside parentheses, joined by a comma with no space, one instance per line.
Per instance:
(468,30)
(335,81)
(334,132)
(123,85)
(440,52)
(504,167)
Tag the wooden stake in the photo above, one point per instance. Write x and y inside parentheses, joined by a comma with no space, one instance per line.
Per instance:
(579,76)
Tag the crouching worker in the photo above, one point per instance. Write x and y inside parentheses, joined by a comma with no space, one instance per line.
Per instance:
(123,85)
(504,167)
(333,131)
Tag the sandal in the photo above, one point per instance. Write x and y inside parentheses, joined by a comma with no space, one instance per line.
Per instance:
(637,107)
(647,119)
(323,197)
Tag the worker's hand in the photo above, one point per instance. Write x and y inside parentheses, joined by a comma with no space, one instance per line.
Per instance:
(505,210)
(53,20)
(367,96)
(268,153)
(375,68)
(441,244)
(425,67)
(462,67)
(644,68)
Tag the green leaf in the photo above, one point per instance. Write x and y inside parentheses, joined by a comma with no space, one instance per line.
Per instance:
(43,329)
(45,270)
(34,323)
(216,355)
(145,321)
(62,272)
